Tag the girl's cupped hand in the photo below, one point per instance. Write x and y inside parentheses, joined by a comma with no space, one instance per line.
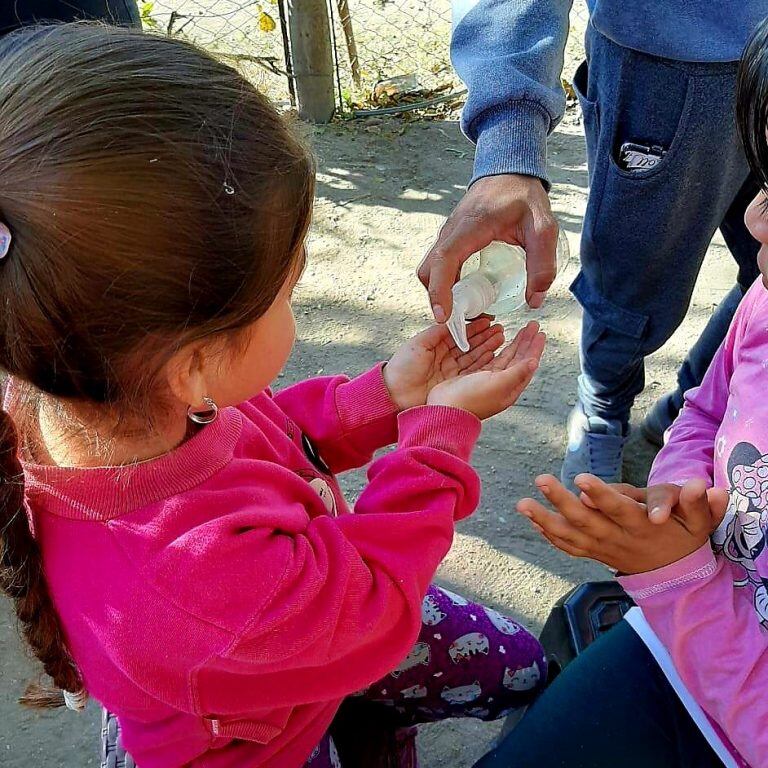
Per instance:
(431,369)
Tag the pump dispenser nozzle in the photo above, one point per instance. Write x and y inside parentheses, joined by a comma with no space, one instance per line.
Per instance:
(471,296)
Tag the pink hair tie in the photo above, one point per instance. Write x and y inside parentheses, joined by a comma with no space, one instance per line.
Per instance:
(5,240)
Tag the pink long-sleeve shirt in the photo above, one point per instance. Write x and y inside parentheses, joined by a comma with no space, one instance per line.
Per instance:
(710,609)
(223,599)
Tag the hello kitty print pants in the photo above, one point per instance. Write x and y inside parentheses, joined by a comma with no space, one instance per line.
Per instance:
(469,661)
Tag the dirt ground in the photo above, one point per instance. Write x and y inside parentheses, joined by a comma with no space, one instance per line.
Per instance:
(384,187)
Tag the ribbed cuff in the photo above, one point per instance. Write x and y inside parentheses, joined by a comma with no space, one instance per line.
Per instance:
(511,138)
(365,400)
(439,426)
(699,565)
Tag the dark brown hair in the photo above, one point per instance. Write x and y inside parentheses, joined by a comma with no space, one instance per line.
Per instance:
(155,198)
(752,103)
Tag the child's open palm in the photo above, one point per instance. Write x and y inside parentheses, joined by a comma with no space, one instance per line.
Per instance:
(431,369)
(610,523)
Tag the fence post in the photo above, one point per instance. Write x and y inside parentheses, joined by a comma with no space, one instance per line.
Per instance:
(309,34)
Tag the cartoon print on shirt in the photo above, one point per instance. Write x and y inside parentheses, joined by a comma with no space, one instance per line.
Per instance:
(761,603)
(314,455)
(318,484)
(740,537)
(322,488)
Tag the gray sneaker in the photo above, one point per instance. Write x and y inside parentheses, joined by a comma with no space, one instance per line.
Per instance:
(595,445)
(660,418)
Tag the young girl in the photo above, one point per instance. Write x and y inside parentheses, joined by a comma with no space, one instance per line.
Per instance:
(705,598)
(171,532)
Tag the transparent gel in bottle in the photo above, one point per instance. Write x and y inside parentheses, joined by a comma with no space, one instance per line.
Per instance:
(497,287)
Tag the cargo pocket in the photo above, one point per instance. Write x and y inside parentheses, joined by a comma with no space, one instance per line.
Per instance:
(654,107)
(612,337)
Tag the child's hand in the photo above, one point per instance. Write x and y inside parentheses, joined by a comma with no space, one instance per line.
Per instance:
(660,500)
(431,357)
(493,386)
(614,528)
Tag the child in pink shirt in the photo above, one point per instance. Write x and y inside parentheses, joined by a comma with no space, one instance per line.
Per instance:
(172,533)
(691,551)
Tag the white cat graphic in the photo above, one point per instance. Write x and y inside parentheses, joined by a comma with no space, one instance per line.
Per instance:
(414,692)
(522,679)
(420,654)
(333,755)
(502,623)
(462,693)
(454,598)
(466,646)
(430,611)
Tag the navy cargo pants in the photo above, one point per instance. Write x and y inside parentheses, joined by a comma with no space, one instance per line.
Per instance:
(646,231)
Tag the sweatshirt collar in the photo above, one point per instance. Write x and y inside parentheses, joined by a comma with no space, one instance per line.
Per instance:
(103,493)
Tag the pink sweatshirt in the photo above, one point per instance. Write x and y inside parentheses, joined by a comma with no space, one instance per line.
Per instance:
(710,609)
(222,600)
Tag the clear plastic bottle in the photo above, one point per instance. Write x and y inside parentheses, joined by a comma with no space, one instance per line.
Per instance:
(497,287)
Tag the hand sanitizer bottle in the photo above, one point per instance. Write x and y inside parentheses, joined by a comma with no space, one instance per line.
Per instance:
(496,288)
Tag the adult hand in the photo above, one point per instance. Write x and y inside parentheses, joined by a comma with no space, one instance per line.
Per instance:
(614,528)
(497,384)
(511,208)
(432,357)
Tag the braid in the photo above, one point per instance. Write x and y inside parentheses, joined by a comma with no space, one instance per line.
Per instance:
(22,579)
(172,213)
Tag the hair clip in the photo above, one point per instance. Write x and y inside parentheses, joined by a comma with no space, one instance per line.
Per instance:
(5,240)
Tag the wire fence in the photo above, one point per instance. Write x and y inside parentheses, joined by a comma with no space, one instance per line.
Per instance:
(390,55)
(402,52)
(397,52)
(246,33)
(574,48)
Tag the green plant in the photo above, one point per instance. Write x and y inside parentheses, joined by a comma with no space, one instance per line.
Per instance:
(145,10)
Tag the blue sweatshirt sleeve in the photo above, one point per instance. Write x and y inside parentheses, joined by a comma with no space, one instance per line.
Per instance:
(509,53)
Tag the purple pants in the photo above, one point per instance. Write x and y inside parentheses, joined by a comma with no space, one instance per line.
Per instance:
(469,661)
